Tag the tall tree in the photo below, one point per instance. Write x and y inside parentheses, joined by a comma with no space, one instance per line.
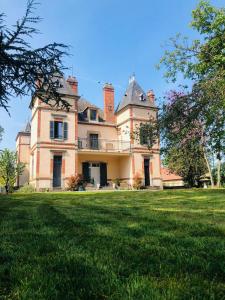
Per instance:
(183,145)
(25,70)
(203,62)
(10,168)
(187,161)
(201,58)
(215,175)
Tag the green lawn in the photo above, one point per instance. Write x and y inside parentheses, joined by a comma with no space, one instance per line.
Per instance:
(113,245)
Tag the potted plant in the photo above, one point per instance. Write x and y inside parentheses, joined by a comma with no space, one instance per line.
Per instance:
(75,183)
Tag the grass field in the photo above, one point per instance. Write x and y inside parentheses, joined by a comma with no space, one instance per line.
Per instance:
(113,245)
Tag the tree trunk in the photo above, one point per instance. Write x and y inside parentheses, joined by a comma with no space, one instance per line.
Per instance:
(218,173)
(7,188)
(209,168)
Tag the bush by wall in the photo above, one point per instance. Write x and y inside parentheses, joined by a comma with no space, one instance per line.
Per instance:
(27,188)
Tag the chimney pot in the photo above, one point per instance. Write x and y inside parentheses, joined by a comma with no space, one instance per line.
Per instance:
(108,95)
(73,83)
(151,96)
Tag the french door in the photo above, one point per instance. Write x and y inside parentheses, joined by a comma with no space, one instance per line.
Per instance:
(146,171)
(94,144)
(57,170)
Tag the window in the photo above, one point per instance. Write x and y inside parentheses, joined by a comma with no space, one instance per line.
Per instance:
(142,97)
(95,165)
(85,114)
(58,130)
(143,137)
(80,146)
(94,141)
(93,114)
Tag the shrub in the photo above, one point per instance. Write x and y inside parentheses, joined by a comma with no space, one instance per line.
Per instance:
(44,190)
(117,181)
(137,182)
(27,188)
(75,182)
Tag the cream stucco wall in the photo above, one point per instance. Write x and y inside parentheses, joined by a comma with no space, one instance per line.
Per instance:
(43,114)
(125,168)
(122,116)
(34,123)
(104,131)
(142,115)
(113,170)
(23,153)
(44,179)
(154,167)
(49,115)
(143,112)
(33,159)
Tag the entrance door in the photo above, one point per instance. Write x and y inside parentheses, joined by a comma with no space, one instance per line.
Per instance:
(57,170)
(146,169)
(95,173)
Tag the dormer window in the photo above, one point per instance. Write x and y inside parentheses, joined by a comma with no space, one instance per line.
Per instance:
(142,97)
(93,115)
(85,114)
(58,84)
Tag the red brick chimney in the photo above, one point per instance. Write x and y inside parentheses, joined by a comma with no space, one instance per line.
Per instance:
(108,94)
(151,96)
(73,83)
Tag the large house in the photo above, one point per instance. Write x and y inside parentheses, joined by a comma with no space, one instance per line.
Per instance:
(89,141)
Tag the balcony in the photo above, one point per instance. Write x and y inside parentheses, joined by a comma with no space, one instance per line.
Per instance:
(103,145)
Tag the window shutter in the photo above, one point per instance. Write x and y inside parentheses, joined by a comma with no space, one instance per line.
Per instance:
(51,129)
(65,128)
(86,173)
(103,174)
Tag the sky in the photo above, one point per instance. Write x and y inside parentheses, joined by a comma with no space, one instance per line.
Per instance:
(109,41)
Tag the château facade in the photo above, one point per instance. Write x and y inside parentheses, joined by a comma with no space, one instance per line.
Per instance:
(87,140)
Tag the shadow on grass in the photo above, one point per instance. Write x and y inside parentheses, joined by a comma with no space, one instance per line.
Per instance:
(69,247)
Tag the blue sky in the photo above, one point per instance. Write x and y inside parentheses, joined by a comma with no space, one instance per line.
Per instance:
(109,39)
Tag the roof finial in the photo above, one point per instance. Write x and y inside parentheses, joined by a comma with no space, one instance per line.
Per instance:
(132,78)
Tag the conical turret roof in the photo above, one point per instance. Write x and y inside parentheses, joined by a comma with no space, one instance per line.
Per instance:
(134,95)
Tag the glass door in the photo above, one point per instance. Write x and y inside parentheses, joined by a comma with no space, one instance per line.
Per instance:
(94,141)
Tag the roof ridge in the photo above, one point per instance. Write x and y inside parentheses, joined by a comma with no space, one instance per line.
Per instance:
(132,90)
(88,102)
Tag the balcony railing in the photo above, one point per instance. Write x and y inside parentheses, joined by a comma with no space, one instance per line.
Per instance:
(104,145)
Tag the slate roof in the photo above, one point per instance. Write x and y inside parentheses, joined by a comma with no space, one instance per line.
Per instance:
(27,128)
(25,131)
(64,87)
(83,104)
(134,95)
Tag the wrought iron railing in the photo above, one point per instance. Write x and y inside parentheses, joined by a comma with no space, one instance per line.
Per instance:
(104,145)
